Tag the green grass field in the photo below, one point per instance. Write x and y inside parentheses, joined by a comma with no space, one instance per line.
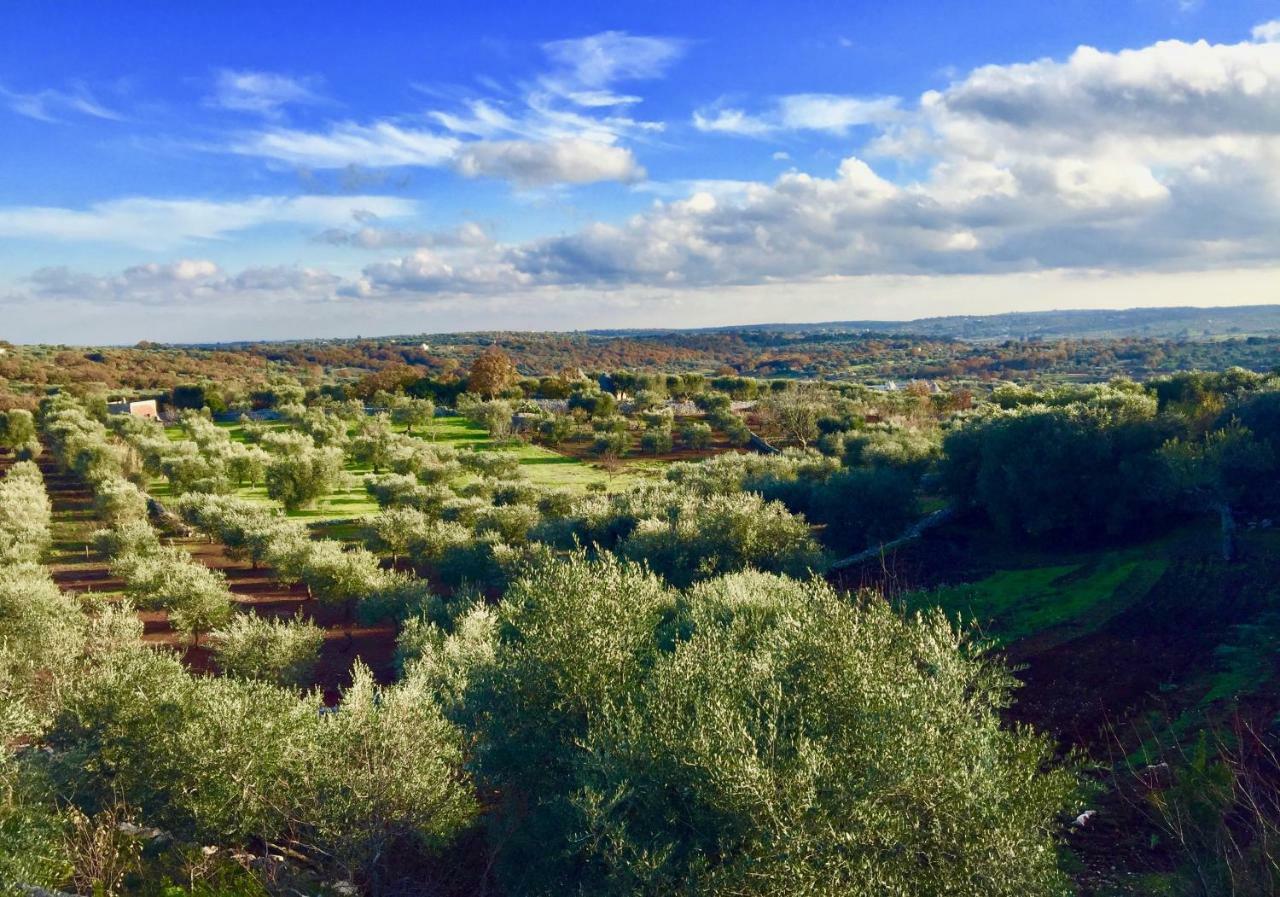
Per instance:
(1051,602)
(542,467)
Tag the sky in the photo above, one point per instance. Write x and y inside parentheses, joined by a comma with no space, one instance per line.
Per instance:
(202,172)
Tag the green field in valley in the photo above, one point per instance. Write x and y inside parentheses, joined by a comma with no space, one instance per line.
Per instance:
(541,466)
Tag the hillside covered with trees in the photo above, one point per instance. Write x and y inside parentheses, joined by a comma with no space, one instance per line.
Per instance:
(556,617)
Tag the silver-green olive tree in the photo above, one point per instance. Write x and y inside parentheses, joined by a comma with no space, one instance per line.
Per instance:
(281,651)
(753,735)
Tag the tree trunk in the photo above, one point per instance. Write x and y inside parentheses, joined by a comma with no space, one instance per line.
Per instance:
(1228,530)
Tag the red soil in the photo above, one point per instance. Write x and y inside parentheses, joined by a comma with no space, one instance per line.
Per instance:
(77,567)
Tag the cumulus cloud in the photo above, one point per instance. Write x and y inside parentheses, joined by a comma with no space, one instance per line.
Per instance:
(565,126)
(262,93)
(1267,32)
(163,223)
(1163,157)
(428,271)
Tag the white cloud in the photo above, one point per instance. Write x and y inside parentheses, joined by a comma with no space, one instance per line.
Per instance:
(1132,164)
(587,67)
(532,164)
(48,104)
(183,282)
(380,145)
(469,234)
(265,315)
(820,112)
(164,223)
(563,127)
(1160,158)
(263,93)
(1267,32)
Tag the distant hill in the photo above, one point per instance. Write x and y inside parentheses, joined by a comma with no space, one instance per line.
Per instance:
(1164,323)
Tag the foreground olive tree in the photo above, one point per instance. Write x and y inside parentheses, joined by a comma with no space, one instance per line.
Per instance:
(373,784)
(752,735)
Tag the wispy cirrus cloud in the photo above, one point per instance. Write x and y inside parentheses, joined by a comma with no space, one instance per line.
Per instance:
(262,93)
(566,125)
(587,68)
(52,105)
(829,113)
(150,223)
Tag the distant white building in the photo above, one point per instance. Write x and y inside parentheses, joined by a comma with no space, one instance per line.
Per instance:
(144,408)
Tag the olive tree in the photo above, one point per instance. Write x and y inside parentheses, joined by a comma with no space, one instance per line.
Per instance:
(231,762)
(411,412)
(281,651)
(17,428)
(298,478)
(754,735)
(25,514)
(196,597)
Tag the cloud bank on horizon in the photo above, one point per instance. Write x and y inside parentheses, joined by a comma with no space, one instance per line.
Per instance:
(596,181)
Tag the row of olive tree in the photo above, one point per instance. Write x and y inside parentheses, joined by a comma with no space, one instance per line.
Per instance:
(25,514)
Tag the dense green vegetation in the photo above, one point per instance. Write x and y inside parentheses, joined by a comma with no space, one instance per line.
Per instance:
(642,633)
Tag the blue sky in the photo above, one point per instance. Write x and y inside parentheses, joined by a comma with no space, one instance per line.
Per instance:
(221,171)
